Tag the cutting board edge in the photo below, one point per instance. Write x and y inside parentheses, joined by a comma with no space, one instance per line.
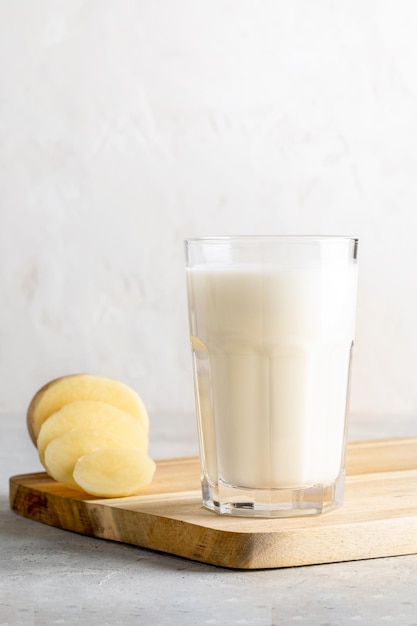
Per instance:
(256,551)
(349,540)
(266,550)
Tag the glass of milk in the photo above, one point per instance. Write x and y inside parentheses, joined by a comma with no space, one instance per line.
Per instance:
(272,325)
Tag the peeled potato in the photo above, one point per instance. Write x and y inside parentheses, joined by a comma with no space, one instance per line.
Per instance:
(94,416)
(61,391)
(109,472)
(92,434)
(62,453)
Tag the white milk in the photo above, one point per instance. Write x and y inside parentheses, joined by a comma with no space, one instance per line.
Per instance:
(272,353)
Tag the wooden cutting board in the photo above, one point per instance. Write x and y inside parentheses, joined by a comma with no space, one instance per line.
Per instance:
(379,517)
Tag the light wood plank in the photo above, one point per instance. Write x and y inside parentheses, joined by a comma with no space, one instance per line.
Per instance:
(379,517)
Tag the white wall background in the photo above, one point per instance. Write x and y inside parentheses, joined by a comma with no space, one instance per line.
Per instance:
(127,125)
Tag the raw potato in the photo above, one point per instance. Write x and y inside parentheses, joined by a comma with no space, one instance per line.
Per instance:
(92,434)
(61,391)
(62,453)
(110,473)
(94,416)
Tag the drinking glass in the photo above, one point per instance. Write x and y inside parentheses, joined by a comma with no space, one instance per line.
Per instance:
(272,326)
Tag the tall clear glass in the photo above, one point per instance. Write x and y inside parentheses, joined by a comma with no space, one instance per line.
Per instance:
(272,326)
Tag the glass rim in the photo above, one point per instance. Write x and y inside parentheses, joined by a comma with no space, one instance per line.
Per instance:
(229,239)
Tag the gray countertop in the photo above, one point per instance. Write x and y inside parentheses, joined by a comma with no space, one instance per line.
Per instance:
(51,576)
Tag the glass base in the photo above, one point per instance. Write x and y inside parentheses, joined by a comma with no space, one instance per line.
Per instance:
(290,502)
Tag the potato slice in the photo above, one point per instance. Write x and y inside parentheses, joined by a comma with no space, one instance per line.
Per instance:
(62,453)
(61,391)
(110,472)
(95,416)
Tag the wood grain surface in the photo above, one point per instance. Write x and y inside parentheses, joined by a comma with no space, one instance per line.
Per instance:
(379,517)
